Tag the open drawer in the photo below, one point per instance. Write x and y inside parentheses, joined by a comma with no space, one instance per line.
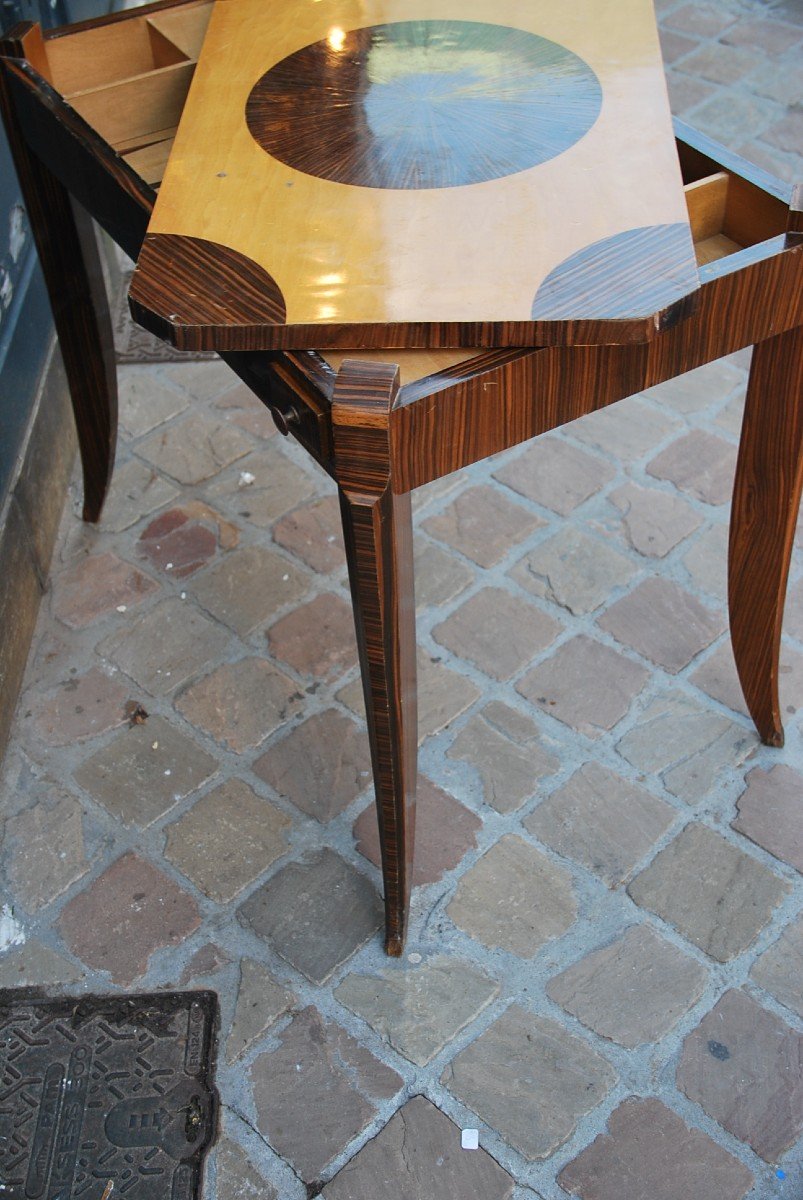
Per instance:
(129,78)
(727,214)
(728,211)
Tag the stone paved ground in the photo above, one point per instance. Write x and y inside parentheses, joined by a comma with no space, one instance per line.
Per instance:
(603,973)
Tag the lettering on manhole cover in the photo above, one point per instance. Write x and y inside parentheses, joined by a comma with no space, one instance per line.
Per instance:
(106,1095)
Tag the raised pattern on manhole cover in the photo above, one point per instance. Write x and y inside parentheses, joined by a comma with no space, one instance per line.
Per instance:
(101,1096)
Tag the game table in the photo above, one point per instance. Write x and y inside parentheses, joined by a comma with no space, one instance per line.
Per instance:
(423,233)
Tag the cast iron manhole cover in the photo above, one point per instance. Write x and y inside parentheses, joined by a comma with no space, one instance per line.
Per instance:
(103,1096)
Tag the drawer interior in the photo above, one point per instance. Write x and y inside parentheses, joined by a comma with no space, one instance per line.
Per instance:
(728,213)
(129,79)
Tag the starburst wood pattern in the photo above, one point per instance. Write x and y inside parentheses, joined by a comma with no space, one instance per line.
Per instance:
(413,178)
(424,104)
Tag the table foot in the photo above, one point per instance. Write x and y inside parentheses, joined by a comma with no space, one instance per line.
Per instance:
(377,527)
(766,498)
(394,945)
(68,253)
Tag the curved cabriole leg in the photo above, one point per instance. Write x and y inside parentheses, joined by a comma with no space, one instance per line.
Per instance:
(68,253)
(378,532)
(766,498)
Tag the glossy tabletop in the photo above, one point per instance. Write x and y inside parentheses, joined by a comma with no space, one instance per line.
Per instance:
(420,173)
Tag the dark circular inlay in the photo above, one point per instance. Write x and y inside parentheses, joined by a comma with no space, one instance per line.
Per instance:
(423,104)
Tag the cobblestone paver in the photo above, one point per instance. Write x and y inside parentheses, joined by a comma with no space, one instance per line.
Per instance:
(166,647)
(714,893)
(418,1150)
(241,703)
(80,707)
(174,542)
(771,812)
(530,1079)
(318,1074)
(144,771)
(322,764)
(742,1065)
(779,970)
(483,524)
(574,571)
(227,839)
(585,684)
(649,1153)
(315,914)
(633,991)
(98,585)
(45,847)
(237,1178)
(663,623)
(514,897)
(508,753)
(601,820)
(260,1002)
(604,969)
(685,744)
(418,1011)
(497,632)
(126,914)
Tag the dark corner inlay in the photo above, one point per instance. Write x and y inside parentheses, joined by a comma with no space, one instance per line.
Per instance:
(423,104)
(203,283)
(631,274)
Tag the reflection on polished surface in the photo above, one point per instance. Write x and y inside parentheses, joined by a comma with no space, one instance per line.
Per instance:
(424,104)
(442,158)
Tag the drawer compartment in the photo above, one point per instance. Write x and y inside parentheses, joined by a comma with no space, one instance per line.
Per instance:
(134,112)
(129,78)
(728,213)
(184,27)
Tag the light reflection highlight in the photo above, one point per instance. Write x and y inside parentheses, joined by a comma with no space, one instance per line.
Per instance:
(336,39)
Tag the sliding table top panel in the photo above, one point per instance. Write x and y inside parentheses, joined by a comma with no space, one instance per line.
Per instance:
(420,173)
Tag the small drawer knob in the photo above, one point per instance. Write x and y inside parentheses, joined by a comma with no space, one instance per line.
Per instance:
(285,418)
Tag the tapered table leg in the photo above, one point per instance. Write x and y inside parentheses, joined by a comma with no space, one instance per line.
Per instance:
(378,533)
(766,498)
(68,254)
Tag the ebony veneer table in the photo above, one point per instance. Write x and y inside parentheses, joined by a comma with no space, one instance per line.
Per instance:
(422,233)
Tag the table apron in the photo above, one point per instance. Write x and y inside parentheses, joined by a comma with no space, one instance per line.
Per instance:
(467,421)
